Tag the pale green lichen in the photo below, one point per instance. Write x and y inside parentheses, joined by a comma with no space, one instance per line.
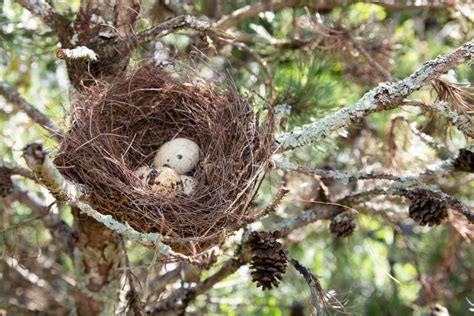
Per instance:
(385,94)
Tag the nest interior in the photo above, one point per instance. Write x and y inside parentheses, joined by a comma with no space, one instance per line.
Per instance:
(117,126)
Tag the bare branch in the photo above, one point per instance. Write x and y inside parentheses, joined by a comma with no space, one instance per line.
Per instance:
(397,189)
(44,10)
(12,96)
(173,25)
(440,169)
(317,294)
(71,193)
(385,97)
(321,212)
(384,72)
(249,11)
(14,169)
(182,297)
(58,228)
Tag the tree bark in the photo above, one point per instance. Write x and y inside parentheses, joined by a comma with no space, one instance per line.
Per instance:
(96,262)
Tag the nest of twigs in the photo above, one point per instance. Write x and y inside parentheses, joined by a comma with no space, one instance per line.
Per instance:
(117,126)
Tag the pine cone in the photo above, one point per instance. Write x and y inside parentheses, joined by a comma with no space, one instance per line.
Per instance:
(6,184)
(427,210)
(268,263)
(342,226)
(465,160)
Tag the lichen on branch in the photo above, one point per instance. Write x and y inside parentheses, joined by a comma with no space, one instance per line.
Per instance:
(385,97)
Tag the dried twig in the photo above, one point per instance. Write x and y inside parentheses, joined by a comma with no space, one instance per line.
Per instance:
(59,229)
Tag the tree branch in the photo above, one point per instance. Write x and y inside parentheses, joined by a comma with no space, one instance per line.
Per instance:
(14,169)
(317,294)
(182,297)
(397,189)
(12,96)
(46,13)
(462,122)
(171,26)
(442,168)
(75,195)
(386,96)
(249,11)
(57,227)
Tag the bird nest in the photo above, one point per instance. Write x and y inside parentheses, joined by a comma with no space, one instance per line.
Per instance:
(119,125)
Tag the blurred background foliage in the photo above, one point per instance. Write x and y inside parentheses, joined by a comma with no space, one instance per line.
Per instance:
(388,266)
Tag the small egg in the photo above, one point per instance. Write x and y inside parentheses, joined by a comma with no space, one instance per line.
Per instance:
(180,154)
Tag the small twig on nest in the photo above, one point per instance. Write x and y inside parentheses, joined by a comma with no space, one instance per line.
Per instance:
(64,190)
(80,52)
(12,96)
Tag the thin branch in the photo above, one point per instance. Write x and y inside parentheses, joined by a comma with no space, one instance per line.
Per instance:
(384,72)
(57,227)
(463,123)
(11,95)
(386,96)
(317,293)
(321,212)
(14,169)
(181,298)
(44,10)
(73,194)
(333,174)
(440,169)
(397,189)
(249,11)
(171,26)
(271,208)
(134,303)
